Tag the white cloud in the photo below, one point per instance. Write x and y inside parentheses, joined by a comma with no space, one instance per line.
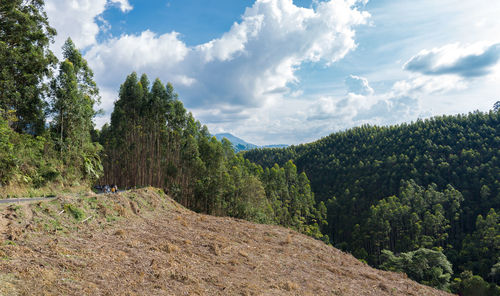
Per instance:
(454,59)
(123,4)
(358,85)
(77,19)
(406,100)
(149,53)
(252,63)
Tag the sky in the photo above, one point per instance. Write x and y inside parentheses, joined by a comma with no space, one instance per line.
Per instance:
(290,72)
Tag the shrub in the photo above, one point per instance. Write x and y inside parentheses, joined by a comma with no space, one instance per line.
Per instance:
(425,266)
(76,212)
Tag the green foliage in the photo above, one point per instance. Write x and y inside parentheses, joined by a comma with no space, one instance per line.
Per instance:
(292,200)
(76,212)
(418,185)
(495,272)
(425,266)
(482,247)
(7,159)
(68,155)
(74,97)
(473,285)
(30,163)
(25,62)
(420,218)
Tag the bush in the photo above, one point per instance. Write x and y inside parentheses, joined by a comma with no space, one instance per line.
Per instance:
(473,285)
(7,159)
(425,266)
(76,212)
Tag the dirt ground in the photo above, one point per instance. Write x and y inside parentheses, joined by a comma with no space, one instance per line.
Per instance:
(143,243)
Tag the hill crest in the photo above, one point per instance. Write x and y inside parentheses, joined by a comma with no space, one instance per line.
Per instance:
(143,242)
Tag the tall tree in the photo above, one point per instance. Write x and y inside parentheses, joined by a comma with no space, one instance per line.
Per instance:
(25,61)
(496,106)
(74,96)
(65,105)
(84,75)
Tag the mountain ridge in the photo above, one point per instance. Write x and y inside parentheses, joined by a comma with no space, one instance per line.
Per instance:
(242,145)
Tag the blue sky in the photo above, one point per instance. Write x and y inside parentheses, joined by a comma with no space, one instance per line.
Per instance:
(198,21)
(283,71)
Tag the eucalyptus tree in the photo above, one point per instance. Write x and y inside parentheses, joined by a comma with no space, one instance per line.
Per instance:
(74,96)
(26,62)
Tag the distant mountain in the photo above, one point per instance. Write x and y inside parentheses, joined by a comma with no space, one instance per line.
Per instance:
(242,145)
(275,146)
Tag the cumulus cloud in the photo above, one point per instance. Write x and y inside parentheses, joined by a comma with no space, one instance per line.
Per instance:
(77,19)
(252,63)
(358,85)
(148,52)
(123,4)
(355,109)
(453,59)
(241,80)
(361,105)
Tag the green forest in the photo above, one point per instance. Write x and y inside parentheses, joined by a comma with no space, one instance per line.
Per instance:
(432,184)
(421,198)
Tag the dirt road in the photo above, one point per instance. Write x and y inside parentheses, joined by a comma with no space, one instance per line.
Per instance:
(21,200)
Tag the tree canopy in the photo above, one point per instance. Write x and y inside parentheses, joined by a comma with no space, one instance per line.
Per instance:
(428,184)
(25,62)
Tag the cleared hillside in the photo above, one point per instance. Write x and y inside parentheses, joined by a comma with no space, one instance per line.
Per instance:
(143,243)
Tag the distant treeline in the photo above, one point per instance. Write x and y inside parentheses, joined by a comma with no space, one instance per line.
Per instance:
(430,184)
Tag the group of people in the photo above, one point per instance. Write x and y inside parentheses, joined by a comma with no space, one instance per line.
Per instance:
(107,188)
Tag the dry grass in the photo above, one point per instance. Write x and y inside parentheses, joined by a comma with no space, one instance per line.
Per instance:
(160,248)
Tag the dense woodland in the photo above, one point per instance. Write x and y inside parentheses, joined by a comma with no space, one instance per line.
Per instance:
(421,198)
(430,184)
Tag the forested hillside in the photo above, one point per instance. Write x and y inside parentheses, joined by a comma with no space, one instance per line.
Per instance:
(153,140)
(45,119)
(429,184)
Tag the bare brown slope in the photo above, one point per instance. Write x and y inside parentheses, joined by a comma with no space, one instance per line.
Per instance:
(171,251)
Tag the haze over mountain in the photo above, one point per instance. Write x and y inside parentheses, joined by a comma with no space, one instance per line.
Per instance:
(242,145)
